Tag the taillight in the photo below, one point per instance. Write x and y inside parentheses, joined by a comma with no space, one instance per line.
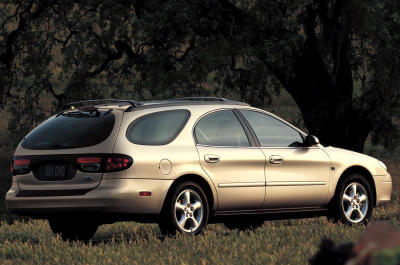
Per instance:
(88,160)
(118,163)
(89,163)
(22,162)
(20,166)
(104,163)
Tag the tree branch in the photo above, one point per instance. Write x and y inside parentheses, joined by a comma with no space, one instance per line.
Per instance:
(24,16)
(231,13)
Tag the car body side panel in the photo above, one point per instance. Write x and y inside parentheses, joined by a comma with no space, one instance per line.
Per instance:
(162,162)
(301,180)
(238,176)
(383,189)
(342,159)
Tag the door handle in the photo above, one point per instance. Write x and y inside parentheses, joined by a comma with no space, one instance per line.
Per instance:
(211,158)
(274,159)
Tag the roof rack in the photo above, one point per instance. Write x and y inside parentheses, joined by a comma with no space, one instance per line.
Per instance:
(93,102)
(186,101)
(200,99)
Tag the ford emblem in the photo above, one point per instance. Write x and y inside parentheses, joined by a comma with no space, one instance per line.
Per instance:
(87,178)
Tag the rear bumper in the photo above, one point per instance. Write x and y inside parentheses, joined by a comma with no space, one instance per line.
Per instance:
(111,196)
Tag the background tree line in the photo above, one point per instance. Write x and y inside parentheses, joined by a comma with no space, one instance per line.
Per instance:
(338,59)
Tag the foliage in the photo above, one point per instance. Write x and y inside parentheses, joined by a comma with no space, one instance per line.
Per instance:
(388,257)
(338,59)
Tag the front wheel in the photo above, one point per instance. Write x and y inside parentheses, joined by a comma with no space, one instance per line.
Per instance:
(355,201)
(186,210)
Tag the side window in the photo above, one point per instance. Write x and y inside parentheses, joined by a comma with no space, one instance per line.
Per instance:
(272,132)
(221,128)
(157,128)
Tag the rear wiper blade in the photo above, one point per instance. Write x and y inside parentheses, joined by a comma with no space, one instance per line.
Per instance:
(78,113)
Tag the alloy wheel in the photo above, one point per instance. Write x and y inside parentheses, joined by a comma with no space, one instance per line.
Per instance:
(355,202)
(189,210)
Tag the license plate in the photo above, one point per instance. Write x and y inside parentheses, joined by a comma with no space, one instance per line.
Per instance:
(56,171)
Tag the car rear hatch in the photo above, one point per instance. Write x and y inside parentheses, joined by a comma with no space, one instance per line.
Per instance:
(68,153)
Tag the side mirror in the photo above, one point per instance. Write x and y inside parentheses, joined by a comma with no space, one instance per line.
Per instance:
(311,140)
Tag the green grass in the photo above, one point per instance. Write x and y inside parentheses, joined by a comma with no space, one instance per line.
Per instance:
(276,242)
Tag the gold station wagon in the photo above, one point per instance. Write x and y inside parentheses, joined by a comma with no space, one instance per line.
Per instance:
(184,163)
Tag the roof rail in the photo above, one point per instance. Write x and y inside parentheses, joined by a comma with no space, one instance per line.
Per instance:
(200,99)
(93,102)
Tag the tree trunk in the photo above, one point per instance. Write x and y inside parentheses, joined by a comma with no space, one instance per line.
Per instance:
(325,97)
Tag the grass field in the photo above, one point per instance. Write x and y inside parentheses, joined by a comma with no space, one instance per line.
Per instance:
(276,242)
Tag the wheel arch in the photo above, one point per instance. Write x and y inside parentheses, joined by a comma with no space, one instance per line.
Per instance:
(362,171)
(197,179)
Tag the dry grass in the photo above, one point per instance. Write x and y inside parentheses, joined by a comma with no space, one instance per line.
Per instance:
(276,242)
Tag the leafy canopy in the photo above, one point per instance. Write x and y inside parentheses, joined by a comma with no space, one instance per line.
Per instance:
(337,58)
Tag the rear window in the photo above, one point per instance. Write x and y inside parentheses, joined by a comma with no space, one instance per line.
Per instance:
(71,130)
(157,128)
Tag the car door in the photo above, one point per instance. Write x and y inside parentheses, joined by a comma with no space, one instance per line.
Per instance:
(227,153)
(296,175)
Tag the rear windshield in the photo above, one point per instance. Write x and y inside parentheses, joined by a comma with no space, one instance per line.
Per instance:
(157,128)
(71,130)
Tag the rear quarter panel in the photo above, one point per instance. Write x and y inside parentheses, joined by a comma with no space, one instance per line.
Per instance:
(163,162)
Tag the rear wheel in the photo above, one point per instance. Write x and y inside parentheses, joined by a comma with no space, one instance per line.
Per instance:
(73,230)
(186,210)
(354,200)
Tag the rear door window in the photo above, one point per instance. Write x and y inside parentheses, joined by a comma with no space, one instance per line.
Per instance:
(221,128)
(71,130)
(157,128)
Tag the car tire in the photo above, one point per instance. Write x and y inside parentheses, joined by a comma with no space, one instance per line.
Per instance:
(354,201)
(73,230)
(243,224)
(186,210)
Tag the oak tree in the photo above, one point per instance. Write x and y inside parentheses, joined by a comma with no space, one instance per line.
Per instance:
(338,59)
